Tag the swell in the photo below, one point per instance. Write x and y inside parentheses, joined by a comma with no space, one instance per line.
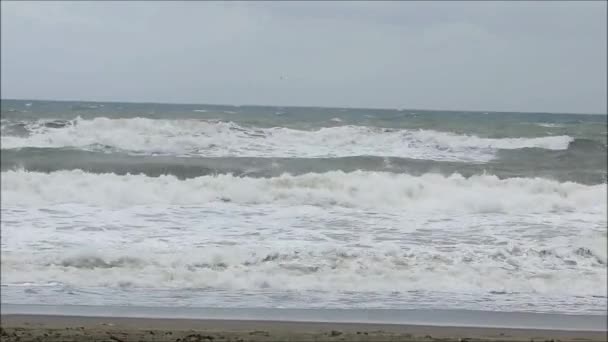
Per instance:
(19,109)
(586,167)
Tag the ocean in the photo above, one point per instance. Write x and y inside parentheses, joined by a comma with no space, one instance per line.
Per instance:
(209,206)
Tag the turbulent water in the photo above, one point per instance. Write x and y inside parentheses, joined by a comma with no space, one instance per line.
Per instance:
(224,206)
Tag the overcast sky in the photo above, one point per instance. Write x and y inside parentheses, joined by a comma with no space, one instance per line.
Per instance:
(504,56)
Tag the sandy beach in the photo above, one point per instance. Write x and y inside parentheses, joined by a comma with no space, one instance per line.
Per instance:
(115,329)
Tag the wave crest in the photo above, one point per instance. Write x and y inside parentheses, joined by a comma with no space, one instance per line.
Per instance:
(429,192)
(222,139)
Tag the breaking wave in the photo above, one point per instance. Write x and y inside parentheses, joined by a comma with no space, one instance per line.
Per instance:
(222,139)
(429,192)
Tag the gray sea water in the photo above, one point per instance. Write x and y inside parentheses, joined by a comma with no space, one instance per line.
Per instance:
(250,206)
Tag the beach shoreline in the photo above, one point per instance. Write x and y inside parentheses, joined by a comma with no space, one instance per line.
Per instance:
(33,327)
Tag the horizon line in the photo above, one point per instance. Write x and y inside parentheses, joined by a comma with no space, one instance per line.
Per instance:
(303,106)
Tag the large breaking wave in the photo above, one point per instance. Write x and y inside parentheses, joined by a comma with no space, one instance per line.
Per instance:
(222,139)
(430,192)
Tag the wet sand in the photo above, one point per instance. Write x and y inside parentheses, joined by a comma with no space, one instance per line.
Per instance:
(114,329)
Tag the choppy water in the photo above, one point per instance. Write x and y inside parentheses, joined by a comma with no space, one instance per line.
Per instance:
(193,205)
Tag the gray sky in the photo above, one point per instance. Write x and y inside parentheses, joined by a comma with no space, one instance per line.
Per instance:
(511,56)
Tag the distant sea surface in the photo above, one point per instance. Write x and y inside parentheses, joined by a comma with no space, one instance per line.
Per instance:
(265,207)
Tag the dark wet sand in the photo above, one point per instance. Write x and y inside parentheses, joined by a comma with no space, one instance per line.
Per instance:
(114,329)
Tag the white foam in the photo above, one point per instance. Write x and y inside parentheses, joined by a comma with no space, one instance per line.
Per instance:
(331,232)
(430,192)
(330,270)
(550,125)
(258,247)
(217,139)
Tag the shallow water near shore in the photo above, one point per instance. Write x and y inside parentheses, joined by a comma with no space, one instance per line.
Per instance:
(452,318)
(302,208)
